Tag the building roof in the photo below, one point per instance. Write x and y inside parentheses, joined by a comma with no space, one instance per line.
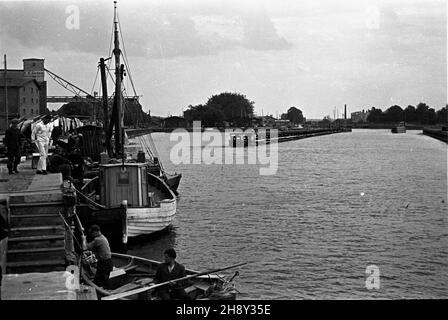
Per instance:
(14,82)
(11,74)
(33,59)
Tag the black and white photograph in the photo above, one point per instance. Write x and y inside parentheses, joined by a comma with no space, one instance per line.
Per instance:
(240,151)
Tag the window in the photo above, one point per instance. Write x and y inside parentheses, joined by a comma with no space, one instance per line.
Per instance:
(32,100)
(37,101)
(32,111)
(24,111)
(31,90)
(24,100)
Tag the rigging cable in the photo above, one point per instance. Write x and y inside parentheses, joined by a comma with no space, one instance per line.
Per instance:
(125,58)
(94,82)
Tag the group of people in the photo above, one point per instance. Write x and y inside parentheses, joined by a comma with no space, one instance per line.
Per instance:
(66,159)
(14,140)
(167,271)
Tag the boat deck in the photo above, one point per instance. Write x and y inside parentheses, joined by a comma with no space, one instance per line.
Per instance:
(157,195)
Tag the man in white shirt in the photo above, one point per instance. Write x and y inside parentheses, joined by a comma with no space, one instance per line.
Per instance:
(41,137)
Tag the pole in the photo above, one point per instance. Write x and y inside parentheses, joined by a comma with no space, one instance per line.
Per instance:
(118,74)
(6,98)
(105,105)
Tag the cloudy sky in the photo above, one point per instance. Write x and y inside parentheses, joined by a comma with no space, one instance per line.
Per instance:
(315,55)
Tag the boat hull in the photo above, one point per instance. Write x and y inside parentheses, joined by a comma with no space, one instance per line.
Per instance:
(398,130)
(173,180)
(145,221)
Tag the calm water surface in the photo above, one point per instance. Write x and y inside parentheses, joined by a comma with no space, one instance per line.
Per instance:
(336,205)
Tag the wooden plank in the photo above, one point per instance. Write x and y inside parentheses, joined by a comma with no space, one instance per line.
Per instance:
(35,220)
(36,244)
(35,254)
(36,238)
(126,287)
(86,293)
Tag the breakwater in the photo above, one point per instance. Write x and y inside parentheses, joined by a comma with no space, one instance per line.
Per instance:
(289,135)
(441,135)
(283,135)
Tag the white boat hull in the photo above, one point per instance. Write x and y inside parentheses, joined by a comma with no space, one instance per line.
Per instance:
(144,221)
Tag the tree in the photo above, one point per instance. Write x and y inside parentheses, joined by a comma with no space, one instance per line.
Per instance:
(194,113)
(210,116)
(409,114)
(235,106)
(213,116)
(442,116)
(294,115)
(431,116)
(421,113)
(375,115)
(394,114)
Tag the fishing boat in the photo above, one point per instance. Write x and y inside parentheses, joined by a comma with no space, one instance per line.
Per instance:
(128,197)
(401,128)
(133,279)
(147,145)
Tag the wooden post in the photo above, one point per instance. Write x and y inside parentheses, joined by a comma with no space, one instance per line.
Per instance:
(69,200)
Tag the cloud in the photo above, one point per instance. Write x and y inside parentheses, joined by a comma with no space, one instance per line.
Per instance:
(36,24)
(261,34)
(156,30)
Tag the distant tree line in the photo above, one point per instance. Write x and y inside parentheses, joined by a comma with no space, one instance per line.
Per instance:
(422,114)
(233,108)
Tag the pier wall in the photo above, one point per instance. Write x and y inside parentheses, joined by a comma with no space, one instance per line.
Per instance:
(441,135)
(302,133)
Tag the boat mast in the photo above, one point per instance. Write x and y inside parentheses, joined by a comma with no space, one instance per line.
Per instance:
(102,65)
(118,80)
(6,98)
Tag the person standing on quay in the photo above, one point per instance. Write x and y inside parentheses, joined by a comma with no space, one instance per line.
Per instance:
(13,142)
(41,137)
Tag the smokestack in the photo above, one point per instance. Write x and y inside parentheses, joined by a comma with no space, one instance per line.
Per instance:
(345,112)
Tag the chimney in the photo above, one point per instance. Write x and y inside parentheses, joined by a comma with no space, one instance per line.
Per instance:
(345,112)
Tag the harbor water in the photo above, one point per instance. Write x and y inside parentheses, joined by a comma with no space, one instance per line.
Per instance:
(336,205)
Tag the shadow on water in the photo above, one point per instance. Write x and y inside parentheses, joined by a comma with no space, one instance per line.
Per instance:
(152,246)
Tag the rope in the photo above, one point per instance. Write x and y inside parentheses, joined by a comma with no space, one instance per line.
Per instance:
(94,82)
(125,58)
(89,200)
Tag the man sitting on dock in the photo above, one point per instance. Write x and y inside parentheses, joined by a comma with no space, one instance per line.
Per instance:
(100,247)
(58,162)
(170,270)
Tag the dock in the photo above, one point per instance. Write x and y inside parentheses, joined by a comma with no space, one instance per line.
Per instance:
(441,134)
(43,286)
(38,248)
